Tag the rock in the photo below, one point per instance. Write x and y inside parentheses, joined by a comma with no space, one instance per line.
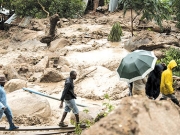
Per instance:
(25,103)
(15,84)
(11,73)
(59,44)
(138,116)
(65,68)
(41,65)
(63,61)
(149,40)
(51,75)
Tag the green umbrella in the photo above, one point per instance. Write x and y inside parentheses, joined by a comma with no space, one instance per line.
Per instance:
(136,65)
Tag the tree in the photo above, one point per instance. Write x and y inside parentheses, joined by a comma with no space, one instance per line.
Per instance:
(150,9)
(44,8)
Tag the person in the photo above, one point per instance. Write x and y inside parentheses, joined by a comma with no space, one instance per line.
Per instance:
(166,86)
(153,82)
(68,96)
(4,108)
(139,87)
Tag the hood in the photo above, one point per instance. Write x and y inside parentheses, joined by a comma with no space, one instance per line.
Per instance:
(172,64)
(158,68)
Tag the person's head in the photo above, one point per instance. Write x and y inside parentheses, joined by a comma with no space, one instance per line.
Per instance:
(164,66)
(2,80)
(158,69)
(172,64)
(73,75)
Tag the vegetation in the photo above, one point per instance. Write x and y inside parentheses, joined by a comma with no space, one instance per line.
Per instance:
(108,108)
(149,9)
(44,8)
(176,8)
(172,54)
(116,33)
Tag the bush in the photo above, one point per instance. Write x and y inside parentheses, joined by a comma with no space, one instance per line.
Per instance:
(116,33)
(172,54)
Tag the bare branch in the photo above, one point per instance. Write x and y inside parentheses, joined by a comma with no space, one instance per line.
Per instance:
(43,8)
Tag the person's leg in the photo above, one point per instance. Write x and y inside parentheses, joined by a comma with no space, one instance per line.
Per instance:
(174,99)
(164,97)
(1,113)
(8,114)
(61,123)
(130,88)
(66,110)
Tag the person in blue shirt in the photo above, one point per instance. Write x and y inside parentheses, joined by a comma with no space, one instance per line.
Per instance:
(4,108)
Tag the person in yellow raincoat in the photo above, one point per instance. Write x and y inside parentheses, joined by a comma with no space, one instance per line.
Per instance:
(166,86)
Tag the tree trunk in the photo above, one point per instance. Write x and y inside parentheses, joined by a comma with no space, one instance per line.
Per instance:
(50,37)
(53,22)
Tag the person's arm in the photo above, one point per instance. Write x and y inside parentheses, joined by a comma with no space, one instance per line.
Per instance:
(66,88)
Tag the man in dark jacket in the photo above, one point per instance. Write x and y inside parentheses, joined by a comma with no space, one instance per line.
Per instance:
(68,97)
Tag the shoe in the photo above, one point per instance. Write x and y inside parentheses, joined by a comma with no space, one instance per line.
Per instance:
(13,128)
(62,124)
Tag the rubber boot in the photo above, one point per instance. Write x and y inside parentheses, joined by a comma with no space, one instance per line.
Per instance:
(61,123)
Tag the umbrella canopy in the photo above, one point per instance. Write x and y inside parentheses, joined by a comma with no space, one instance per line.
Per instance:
(136,65)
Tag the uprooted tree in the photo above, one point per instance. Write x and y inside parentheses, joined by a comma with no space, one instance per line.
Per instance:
(51,35)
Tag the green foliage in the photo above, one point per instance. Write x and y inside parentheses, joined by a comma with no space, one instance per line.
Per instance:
(65,8)
(108,108)
(172,54)
(78,129)
(150,9)
(176,8)
(116,33)
(86,110)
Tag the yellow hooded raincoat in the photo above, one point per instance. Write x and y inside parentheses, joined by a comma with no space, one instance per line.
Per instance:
(167,80)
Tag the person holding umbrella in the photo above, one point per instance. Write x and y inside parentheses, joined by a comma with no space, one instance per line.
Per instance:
(166,86)
(134,68)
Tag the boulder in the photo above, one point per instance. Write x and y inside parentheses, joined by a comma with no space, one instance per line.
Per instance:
(149,40)
(51,75)
(138,116)
(25,103)
(99,81)
(15,84)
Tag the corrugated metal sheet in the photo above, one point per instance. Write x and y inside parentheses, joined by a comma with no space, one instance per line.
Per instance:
(11,19)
